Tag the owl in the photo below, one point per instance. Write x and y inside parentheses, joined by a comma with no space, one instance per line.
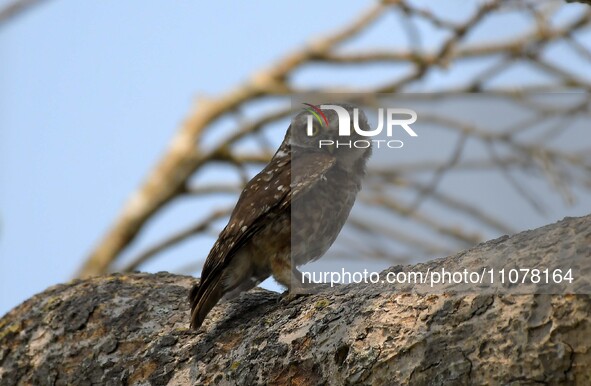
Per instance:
(290,213)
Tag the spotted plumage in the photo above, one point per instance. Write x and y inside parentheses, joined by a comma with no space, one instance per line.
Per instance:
(295,207)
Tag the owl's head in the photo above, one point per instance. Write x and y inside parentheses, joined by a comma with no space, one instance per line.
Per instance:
(320,133)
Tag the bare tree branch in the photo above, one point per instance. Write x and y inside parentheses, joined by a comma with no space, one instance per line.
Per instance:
(183,157)
(133,329)
(187,155)
(16,8)
(174,239)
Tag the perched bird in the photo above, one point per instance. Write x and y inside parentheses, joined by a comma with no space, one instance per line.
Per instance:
(292,210)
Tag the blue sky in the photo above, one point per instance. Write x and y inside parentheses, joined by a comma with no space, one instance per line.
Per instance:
(91,93)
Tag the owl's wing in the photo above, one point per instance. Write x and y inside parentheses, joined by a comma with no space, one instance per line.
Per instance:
(266,196)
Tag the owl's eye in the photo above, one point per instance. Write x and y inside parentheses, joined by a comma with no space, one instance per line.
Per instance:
(315,130)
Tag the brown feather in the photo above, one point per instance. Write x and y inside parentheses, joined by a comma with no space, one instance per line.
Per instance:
(258,220)
(203,301)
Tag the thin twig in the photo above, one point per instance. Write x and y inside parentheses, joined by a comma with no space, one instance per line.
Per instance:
(201,226)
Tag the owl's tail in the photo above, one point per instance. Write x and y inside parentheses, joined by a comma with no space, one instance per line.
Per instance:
(203,298)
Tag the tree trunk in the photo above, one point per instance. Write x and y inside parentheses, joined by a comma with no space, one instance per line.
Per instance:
(133,329)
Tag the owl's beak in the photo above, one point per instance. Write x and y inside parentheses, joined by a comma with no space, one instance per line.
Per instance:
(331,148)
